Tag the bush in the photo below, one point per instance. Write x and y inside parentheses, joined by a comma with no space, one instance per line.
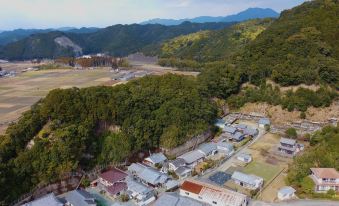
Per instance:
(291,133)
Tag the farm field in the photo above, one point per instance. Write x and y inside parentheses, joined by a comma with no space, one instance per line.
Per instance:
(17,94)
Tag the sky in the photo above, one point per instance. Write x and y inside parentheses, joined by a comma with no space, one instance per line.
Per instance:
(101,13)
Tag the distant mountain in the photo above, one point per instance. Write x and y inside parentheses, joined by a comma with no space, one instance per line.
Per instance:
(7,37)
(251,13)
(118,40)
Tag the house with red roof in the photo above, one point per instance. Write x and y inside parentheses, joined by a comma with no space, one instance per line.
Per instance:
(325,179)
(113,182)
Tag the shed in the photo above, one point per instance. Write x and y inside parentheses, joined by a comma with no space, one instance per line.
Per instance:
(263,122)
(286,193)
(247,158)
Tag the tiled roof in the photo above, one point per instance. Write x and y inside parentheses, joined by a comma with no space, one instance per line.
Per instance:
(178,162)
(113,175)
(80,198)
(192,156)
(207,148)
(116,188)
(325,173)
(156,158)
(288,141)
(229,129)
(191,187)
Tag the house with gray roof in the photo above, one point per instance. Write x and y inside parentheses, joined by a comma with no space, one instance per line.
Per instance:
(247,180)
(250,132)
(155,159)
(173,199)
(263,122)
(148,175)
(49,200)
(79,197)
(220,123)
(225,148)
(288,146)
(238,136)
(183,171)
(175,164)
(208,149)
(229,130)
(139,192)
(192,158)
(246,158)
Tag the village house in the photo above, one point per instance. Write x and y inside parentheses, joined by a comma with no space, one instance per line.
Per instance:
(173,199)
(250,132)
(211,194)
(155,159)
(225,148)
(251,182)
(175,164)
(148,175)
(325,179)
(142,194)
(208,149)
(79,197)
(49,199)
(183,172)
(230,130)
(288,146)
(286,193)
(263,122)
(192,158)
(113,182)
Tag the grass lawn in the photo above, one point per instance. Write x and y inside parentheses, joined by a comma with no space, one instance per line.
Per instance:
(264,170)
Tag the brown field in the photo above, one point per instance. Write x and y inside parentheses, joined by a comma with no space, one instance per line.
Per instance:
(18,93)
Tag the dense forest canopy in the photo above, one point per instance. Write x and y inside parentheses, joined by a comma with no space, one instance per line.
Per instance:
(68,127)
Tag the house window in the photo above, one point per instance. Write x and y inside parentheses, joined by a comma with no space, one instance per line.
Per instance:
(187,193)
(214,202)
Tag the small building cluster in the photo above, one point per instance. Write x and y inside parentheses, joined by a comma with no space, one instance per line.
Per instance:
(235,132)
(289,147)
(325,179)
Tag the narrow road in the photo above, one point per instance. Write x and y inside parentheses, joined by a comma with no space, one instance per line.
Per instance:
(297,203)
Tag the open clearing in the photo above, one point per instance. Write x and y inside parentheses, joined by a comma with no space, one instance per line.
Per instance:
(18,94)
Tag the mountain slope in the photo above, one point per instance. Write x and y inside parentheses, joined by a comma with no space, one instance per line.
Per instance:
(118,40)
(7,37)
(251,13)
(209,46)
(302,46)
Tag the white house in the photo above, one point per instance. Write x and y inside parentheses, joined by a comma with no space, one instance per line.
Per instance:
(286,193)
(325,179)
(139,192)
(248,181)
(211,194)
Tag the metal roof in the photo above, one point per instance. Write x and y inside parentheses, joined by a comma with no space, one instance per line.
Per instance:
(172,199)
(249,179)
(192,156)
(220,178)
(286,190)
(241,126)
(225,146)
(238,136)
(171,184)
(264,121)
(137,187)
(49,200)
(250,131)
(136,168)
(182,170)
(178,162)
(156,158)
(229,129)
(80,198)
(207,148)
(288,141)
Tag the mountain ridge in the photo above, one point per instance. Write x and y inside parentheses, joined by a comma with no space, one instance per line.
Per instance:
(250,13)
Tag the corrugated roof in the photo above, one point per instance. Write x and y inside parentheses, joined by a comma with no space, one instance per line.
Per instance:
(137,187)
(49,200)
(113,175)
(156,158)
(182,170)
(288,141)
(80,198)
(249,179)
(207,148)
(178,162)
(192,156)
(325,172)
(230,130)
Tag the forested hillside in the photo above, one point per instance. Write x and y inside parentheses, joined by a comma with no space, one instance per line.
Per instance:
(66,130)
(208,46)
(302,46)
(118,40)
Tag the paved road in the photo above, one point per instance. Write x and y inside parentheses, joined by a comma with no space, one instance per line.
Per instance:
(297,203)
